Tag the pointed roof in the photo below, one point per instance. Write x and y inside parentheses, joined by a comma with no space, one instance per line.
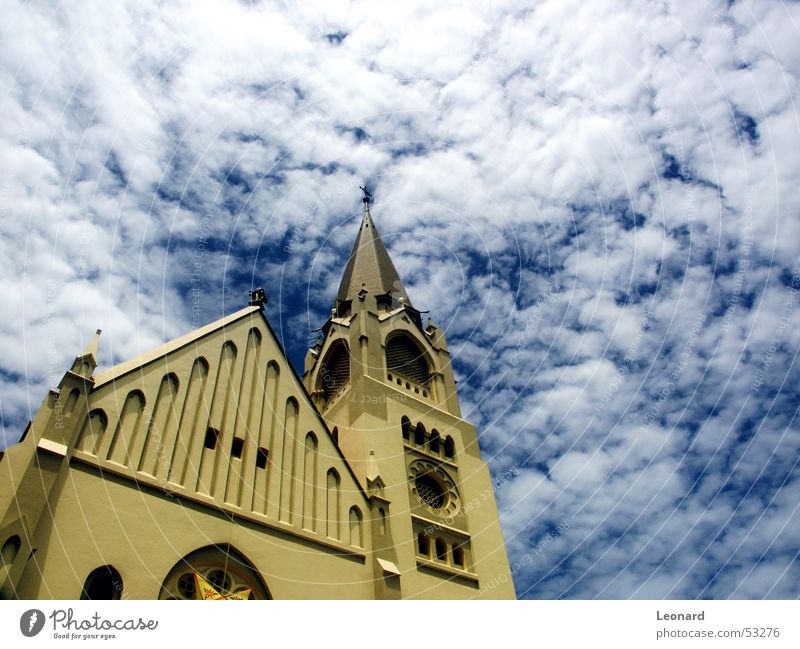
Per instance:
(94,344)
(373,472)
(85,363)
(370,266)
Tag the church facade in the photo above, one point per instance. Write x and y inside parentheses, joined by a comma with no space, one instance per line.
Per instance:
(207,468)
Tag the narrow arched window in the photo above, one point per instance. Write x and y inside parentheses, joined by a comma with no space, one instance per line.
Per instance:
(310,482)
(382,520)
(93,428)
(423,545)
(356,531)
(449,447)
(131,422)
(405,424)
(334,373)
(441,550)
(332,504)
(419,435)
(103,583)
(458,556)
(72,399)
(433,442)
(404,358)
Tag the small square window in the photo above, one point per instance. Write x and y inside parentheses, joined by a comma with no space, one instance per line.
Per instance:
(237,446)
(261,458)
(212,435)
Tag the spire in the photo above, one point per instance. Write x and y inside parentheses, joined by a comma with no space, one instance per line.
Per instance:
(373,472)
(86,363)
(375,483)
(369,266)
(94,343)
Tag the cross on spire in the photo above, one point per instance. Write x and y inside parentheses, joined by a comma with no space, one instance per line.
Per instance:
(369,267)
(367,197)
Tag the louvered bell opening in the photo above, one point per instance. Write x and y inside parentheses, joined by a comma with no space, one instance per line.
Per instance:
(404,358)
(335,373)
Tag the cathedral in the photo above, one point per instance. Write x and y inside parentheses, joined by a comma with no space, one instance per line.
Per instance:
(209,469)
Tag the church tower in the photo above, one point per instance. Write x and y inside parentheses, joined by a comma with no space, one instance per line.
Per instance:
(384,384)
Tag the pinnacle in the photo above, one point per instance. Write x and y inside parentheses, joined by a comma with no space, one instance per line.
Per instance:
(370,268)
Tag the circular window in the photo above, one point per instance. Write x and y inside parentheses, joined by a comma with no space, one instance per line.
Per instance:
(435,488)
(186,585)
(430,491)
(219,579)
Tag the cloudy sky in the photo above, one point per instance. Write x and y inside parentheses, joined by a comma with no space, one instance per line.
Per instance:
(598,200)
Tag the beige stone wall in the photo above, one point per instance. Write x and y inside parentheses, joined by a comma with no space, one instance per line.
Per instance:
(144,532)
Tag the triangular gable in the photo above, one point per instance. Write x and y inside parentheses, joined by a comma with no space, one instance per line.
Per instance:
(219,416)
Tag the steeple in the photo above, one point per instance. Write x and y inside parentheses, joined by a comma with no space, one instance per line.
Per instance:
(385,387)
(370,266)
(86,363)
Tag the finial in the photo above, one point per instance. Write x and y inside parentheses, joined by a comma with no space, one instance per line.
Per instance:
(94,343)
(258,298)
(367,197)
(85,364)
(373,472)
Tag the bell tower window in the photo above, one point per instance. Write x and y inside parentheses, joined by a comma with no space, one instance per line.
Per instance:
(334,374)
(404,358)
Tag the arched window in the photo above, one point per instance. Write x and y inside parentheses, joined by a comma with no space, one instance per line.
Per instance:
(382,520)
(171,382)
(441,550)
(403,357)
(458,555)
(272,368)
(334,374)
(230,573)
(405,424)
(423,545)
(10,549)
(102,583)
(131,421)
(356,531)
(93,428)
(310,482)
(433,442)
(72,399)
(449,447)
(332,504)
(255,335)
(419,435)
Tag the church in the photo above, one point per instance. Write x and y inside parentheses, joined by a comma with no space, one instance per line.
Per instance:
(209,469)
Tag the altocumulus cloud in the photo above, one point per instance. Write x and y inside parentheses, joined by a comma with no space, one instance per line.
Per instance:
(598,201)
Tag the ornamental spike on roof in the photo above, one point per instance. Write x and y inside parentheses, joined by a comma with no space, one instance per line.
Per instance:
(370,266)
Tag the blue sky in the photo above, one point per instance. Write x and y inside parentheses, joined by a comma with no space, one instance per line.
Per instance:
(598,201)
